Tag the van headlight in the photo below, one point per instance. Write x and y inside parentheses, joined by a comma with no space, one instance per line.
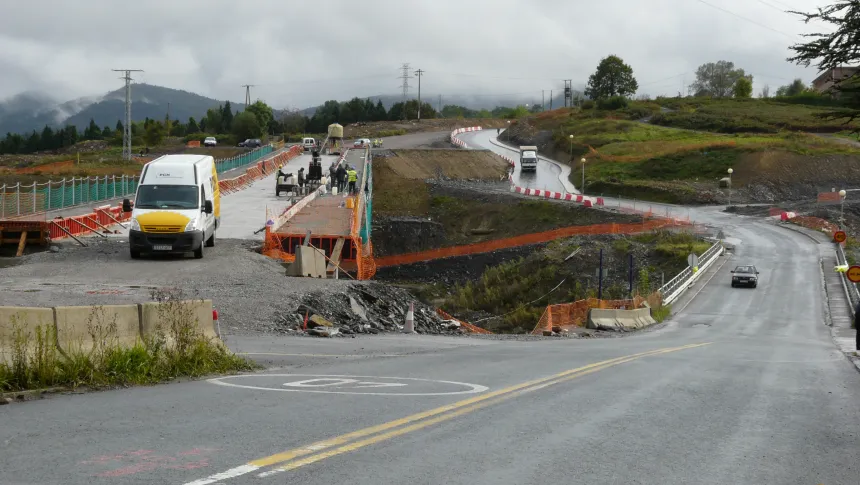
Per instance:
(191,226)
(135,226)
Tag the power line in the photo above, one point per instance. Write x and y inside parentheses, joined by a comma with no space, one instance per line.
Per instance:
(405,86)
(126,132)
(790,36)
(248,93)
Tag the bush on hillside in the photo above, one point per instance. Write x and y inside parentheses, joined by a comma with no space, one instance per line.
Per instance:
(588,104)
(612,103)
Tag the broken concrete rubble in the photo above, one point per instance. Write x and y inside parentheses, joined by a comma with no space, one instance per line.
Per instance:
(361,309)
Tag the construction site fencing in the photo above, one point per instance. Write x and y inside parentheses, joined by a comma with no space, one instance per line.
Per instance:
(576,314)
(468,327)
(527,239)
(21,200)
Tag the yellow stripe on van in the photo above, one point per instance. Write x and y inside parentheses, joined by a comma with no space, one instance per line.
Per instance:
(162,222)
(216,194)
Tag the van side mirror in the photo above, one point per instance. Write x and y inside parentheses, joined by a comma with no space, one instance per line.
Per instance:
(207,207)
(126,205)
(756,272)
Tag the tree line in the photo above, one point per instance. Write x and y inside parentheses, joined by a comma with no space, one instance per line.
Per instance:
(256,120)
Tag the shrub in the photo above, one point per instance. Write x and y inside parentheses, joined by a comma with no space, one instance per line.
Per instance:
(612,103)
(588,104)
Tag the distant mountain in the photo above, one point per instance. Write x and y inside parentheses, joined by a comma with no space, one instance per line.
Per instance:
(32,111)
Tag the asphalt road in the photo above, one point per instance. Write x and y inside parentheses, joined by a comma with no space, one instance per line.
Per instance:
(741,386)
(550,175)
(762,396)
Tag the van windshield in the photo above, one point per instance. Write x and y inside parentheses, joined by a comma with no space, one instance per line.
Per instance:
(167,197)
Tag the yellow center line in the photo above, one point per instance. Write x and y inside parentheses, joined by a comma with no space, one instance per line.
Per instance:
(459,412)
(461,407)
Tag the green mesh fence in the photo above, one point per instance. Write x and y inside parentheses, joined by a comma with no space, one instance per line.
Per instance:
(18,200)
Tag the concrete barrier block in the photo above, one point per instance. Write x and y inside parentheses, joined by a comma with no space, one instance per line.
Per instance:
(200,311)
(29,320)
(79,327)
(602,319)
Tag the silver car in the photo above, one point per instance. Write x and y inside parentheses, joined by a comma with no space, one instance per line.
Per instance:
(746,275)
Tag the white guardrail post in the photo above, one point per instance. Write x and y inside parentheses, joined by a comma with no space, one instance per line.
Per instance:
(677,285)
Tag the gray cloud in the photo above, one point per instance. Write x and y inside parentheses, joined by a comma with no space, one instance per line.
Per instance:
(301,53)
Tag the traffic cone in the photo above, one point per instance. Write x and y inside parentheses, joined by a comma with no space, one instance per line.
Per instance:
(410,320)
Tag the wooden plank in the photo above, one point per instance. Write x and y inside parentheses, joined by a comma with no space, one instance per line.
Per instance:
(22,244)
(335,255)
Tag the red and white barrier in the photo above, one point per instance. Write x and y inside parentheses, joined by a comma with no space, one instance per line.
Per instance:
(458,142)
(787,215)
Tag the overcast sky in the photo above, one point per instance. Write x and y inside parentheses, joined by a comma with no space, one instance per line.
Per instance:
(300,53)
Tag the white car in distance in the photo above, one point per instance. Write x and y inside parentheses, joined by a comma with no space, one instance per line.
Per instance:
(210,141)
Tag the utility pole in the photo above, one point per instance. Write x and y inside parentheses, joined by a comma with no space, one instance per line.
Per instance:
(568,93)
(248,93)
(550,99)
(405,85)
(542,101)
(126,132)
(440,105)
(167,119)
(419,73)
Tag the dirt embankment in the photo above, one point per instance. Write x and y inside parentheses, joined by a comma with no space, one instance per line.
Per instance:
(442,198)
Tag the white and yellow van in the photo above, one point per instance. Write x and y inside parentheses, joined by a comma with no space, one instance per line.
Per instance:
(177,207)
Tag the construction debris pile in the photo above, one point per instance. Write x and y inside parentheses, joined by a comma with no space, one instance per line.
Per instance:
(361,309)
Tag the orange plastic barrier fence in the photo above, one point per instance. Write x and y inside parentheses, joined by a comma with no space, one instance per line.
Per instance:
(463,324)
(525,239)
(814,223)
(258,171)
(576,313)
(829,198)
(193,144)
(84,224)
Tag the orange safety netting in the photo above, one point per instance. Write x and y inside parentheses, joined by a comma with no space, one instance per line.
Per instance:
(576,314)
(526,239)
(463,324)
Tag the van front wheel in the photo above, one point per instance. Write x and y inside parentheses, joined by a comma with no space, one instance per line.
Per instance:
(198,253)
(210,243)
(135,254)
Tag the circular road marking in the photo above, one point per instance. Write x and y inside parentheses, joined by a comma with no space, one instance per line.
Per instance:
(349,384)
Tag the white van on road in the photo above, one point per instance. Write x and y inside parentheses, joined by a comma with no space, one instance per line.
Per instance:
(177,207)
(309,143)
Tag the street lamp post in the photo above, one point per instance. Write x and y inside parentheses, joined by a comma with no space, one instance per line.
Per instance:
(582,189)
(842,194)
(508,132)
(571,148)
(730,186)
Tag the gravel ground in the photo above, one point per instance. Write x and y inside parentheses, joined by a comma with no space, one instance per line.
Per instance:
(246,287)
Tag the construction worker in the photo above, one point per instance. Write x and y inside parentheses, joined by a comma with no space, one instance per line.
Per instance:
(353,178)
(340,175)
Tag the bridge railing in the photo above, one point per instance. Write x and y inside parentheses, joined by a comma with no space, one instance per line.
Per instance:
(676,286)
(850,287)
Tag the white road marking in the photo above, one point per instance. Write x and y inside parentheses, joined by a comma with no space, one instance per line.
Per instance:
(472,388)
(231,473)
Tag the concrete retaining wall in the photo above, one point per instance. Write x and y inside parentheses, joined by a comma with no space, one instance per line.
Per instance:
(76,327)
(619,320)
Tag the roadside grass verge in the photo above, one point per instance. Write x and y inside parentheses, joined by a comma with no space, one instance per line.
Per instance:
(175,349)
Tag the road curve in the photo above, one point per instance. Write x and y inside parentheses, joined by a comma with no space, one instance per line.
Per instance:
(550,175)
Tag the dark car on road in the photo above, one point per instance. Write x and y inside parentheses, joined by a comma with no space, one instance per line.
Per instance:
(251,143)
(745,275)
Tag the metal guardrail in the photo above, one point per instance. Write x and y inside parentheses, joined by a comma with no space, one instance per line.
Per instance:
(23,200)
(671,289)
(850,287)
